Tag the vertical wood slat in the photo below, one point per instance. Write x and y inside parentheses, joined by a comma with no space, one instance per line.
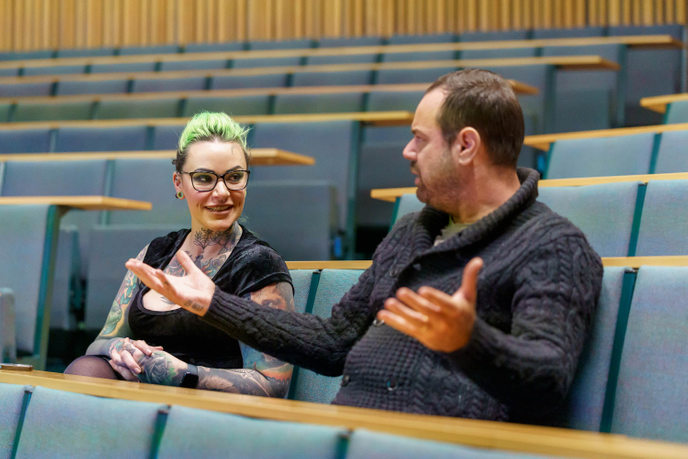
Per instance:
(648,14)
(614,12)
(626,13)
(669,12)
(681,12)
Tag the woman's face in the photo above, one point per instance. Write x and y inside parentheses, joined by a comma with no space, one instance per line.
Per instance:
(218,209)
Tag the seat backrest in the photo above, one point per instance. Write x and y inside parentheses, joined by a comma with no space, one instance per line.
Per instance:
(216,64)
(25,141)
(11,401)
(233,106)
(57,70)
(424,75)
(25,243)
(356,77)
(301,279)
(605,213)
(167,137)
(625,155)
(498,53)
(581,32)
(168,84)
(8,340)
(138,50)
(25,89)
(67,88)
(305,231)
(382,101)
(52,111)
(189,431)
(78,425)
(584,406)
(54,178)
(664,223)
(333,284)
(495,36)
(421,56)
(651,392)
(273,80)
(284,44)
(421,39)
(86,52)
(407,203)
(671,156)
(126,138)
(213,47)
(342,59)
(345,42)
(124,109)
(677,112)
(266,62)
(332,164)
(346,102)
(127,67)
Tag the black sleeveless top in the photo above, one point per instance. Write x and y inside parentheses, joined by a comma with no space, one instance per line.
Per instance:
(252,265)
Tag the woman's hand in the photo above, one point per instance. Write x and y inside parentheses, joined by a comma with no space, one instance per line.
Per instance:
(162,368)
(124,356)
(192,292)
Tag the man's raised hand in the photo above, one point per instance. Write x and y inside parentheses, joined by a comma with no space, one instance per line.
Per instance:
(439,321)
(192,292)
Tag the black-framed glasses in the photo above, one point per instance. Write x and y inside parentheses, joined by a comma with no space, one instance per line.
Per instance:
(235,180)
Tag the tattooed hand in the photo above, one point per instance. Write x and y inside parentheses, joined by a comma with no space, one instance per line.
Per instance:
(161,368)
(124,354)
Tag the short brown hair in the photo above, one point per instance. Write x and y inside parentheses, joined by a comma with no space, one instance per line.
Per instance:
(486,102)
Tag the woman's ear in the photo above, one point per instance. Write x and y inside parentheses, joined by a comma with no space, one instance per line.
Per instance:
(177,179)
(466,146)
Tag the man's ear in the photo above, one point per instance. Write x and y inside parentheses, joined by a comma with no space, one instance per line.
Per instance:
(466,146)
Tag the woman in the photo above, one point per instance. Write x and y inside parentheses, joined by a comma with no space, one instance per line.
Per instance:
(148,338)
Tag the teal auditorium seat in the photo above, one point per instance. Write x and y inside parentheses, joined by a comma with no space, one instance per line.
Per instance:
(213,47)
(301,279)
(27,238)
(671,156)
(285,44)
(233,106)
(138,50)
(297,218)
(539,34)
(627,155)
(126,67)
(194,65)
(4,112)
(383,101)
(126,109)
(97,52)
(69,88)
(345,102)
(310,386)
(584,407)
(25,141)
(9,72)
(426,75)
(190,432)
(11,401)
(356,77)
(651,397)
(52,111)
(604,213)
(665,219)
(495,36)
(25,89)
(126,138)
(356,41)
(498,53)
(677,112)
(57,70)
(168,84)
(166,137)
(66,278)
(407,203)
(266,62)
(365,444)
(342,59)
(421,39)
(8,341)
(420,56)
(275,80)
(65,424)
(45,54)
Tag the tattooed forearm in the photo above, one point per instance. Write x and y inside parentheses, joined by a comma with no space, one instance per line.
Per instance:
(242,381)
(161,368)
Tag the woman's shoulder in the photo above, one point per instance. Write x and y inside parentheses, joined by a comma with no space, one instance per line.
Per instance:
(161,247)
(251,250)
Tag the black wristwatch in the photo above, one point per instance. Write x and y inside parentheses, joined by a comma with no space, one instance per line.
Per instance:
(190,379)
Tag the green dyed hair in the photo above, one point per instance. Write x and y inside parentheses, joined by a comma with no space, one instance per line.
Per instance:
(210,127)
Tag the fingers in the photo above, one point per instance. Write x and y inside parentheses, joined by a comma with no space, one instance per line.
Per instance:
(126,374)
(145,348)
(469,283)
(398,323)
(411,317)
(417,302)
(185,261)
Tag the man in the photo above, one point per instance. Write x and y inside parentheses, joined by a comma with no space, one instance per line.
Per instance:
(478,306)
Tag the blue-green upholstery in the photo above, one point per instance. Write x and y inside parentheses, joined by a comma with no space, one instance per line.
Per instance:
(651,397)
(23,235)
(65,424)
(266,62)
(11,401)
(420,56)
(125,109)
(216,64)
(168,84)
(274,80)
(677,112)
(365,444)
(426,75)
(569,33)
(664,223)
(9,72)
(67,88)
(603,212)
(301,279)
(421,39)
(25,141)
(296,232)
(213,47)
(57,70)
(190,432)
(138,50)
(166,137)
(284,44)
(334,283)
(495,36)
(345,102)
(584,404)
(342,59)
(381,101)
(671,156)
(86,52)
(357,77)
(233,106)
(52,111)
(126,138)
(344,42)
(498,53)
(25,89)
(126,67)
(408,203)
(45,54)
(626,155)
(67,266)
(8,341)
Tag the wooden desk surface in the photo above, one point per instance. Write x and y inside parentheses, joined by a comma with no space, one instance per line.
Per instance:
(481,434)
(543,142)
(259,156)
(642,41)
(519,88)
(659,103)
(394,118)
(391,194)
(79,202)
(591,62)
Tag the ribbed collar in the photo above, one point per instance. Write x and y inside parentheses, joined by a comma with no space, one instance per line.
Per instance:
(431,221)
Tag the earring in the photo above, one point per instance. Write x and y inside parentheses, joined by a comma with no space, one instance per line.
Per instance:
(179,195)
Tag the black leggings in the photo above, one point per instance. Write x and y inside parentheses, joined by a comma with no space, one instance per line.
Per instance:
(95,366)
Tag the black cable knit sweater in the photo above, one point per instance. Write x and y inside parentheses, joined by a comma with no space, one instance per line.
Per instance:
(537,294)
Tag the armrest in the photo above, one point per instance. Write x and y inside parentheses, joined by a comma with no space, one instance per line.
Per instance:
(8,343)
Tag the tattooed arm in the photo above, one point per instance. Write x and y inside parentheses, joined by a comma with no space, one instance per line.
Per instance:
(262,374)
(117,323)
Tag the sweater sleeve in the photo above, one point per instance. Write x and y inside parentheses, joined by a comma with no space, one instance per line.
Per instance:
(531,368)
(319,344)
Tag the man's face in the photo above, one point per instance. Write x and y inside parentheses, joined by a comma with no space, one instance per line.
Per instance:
(430,156)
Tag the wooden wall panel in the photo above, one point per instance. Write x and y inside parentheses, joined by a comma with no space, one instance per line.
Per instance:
(49,24)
